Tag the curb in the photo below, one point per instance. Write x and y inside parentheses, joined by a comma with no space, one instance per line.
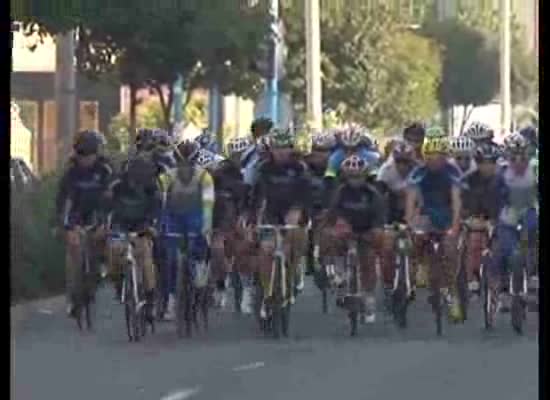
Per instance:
(19,312)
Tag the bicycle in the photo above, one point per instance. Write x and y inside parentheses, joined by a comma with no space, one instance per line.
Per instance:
(86,279)
(489,294)
(518,283)
(436,258)
(275,307)
(353,300)
(471,225)
(193,292)
(402,288)
(133,289)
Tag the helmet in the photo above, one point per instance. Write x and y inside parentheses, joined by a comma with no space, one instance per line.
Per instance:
(487,152)
(461,145)
(351,137)
(354,165)
(435,146)
(515,144)
(261,126)
(144,139)
(366,138)
(88,142)
(401,150)
(187,149)
(530,134)
(415,130)
(435,132)
(479,131)
(323,141)
(141,170)
(281,139)
(161,139)
(237,145)
(204,159)
(205,139)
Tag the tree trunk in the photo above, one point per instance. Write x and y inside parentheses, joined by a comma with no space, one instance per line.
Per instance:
(166,106)
(133,107)
(465,117)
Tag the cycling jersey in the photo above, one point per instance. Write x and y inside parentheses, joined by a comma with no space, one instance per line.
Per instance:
(339,155)
(282,187)
(390,178)
(435,189)
(85,188)
(483,196)
(523,195)
(249,164)
(362,207)
(133,207)
(164,161)
(317,166)
(231,194)
(195,197)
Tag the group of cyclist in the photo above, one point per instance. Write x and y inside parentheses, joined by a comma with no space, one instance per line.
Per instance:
(341,184)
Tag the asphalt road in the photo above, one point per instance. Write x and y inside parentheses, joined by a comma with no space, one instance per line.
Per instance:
(51,360)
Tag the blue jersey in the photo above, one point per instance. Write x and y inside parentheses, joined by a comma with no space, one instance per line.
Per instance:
(435,189)
(339,155)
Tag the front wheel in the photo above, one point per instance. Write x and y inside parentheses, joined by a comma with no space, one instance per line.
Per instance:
(354,322)
(462,286)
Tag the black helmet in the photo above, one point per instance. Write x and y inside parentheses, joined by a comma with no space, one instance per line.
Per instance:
(187,149)
(88,142)
(261,126)
(415,130)
(145,139)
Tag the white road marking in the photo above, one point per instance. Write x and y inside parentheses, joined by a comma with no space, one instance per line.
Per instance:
(181,394)
(250,366)
(45,311)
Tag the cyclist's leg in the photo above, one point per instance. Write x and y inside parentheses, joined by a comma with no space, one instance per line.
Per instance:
(367,265)
(72,266)
(144,259)
(505,244)
(197,244)
(475,242)
(297,247)
(386,256)
(115,263)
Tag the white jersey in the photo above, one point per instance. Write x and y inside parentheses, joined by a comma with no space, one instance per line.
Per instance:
(522,192)
(390,176)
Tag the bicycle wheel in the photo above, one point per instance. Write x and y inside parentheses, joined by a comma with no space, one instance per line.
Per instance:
(488,312)
(181,302)
(237,285)
(129,308)
(518,302)
(462,285)
(399,298)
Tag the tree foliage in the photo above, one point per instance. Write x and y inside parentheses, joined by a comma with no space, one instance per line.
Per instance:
(524,72)
(374,70)
(149,44)
(470,65)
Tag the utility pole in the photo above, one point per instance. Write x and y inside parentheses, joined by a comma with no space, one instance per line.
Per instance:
(313,64)
(273,88)
(65,94)
(505,36)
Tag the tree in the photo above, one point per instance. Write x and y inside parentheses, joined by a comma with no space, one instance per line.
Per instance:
(470,66)
(149,44)
(524,72)
(374,70)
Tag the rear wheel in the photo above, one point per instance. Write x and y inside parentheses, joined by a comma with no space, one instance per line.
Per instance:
(462,285)
(354,322)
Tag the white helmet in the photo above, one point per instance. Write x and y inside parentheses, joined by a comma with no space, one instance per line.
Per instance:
(479,131)
(515,143)
(204,159)
(351,136)
(238,145)
(323,141)
(461,145)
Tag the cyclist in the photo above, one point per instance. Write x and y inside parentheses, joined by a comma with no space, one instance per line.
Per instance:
(357,207)
(353,141)
(393,180)
(482,198)
(530,134)
(80,199)
(521,207)
(189,202)
(230,204)
(434,202)
(480,133)
(250,157)
(462,148)
(133,202)
(163,154)
(281,197)
(414,135)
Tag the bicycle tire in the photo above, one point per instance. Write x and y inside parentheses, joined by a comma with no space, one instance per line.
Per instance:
(277,300)
(354,322)
(487,298)
(180,301)
(518,313)
(324,293)
(236,283)
(462,286)
(400,301)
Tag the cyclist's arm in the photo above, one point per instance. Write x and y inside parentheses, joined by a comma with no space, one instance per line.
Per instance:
(207,200)
(456,203)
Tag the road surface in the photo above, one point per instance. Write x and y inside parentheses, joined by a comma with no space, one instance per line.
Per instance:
(52,361)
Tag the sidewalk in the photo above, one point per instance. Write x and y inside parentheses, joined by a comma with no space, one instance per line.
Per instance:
(19,312)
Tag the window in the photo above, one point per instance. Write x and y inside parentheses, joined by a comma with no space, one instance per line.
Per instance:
(89,115)
(49,141)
